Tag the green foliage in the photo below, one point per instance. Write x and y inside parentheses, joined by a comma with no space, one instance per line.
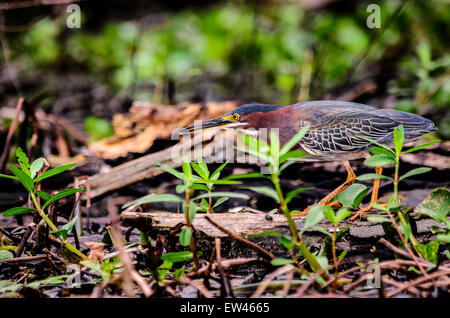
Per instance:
(17,211)
(66,228)
(185,236)
(177,257)
(430,251)
(29,177)
(98,128)
(281,261)
(353,195)
(5,255)
(437,206)
(383,155)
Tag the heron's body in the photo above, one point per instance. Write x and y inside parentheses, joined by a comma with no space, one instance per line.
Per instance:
(335,126)
(335,131)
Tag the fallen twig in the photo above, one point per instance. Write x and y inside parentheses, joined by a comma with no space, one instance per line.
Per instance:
(257,248)
(280,271)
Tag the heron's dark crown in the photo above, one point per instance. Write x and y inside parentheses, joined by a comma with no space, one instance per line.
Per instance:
(253,108)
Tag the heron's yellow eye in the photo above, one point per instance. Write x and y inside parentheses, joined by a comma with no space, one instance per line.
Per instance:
(232,117)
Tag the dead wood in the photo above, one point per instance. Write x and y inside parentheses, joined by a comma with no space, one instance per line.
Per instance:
(362,234)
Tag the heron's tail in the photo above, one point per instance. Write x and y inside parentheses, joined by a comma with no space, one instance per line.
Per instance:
(414,125)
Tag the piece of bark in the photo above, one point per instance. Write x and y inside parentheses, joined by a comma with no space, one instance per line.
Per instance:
(362,234)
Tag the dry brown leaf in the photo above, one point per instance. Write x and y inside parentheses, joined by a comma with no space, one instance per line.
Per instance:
(137,130)
(95,250)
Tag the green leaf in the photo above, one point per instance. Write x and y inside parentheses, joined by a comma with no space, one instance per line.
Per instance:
(292,154)
(255,153)
(8,177)
(222,194)
(436,205)
(216,173)
(291,194)
(399,138)
(256,145)
(173,172)
(267,233)
(23,161)
(185,236)
(329,215)
(36,166)
(281,261)
(274,145)
(5,255)
(193,208)
(66,228)
(25,179)
(378,206)
(154,198)
(377,144)
(314,216)
(379,160)
(342,214)
(378,219)
(43,195)
(322,230)
(421,146)
(177,257)
(60,195)
(294,140)
(203,174)
(179,273)
(381,151)
(54,171)
(371,176)
(201,162)
(17,211)
(245,176)
(98,128)
(429,251)
(353,195)
(194,186)
(52,280)
(180,188)
(406,229)
(220,201)
(342,255)
(267,191)
(414,172)
(187,171)
(287,242)
(444,237)
(223,182)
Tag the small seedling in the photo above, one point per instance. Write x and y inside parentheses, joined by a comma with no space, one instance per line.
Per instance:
(30,175)
(204,181)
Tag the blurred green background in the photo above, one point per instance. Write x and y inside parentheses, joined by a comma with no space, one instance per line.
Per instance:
(275,52)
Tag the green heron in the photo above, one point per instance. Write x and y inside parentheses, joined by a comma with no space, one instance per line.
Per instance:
(333,133)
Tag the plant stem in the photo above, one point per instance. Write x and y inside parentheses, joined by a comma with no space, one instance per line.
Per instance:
(335,262)
(188,224)
(397,203)
(397,164)
(53,227)
(310,258)
(209,203)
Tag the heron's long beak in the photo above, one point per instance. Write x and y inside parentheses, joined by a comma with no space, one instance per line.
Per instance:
(216,122)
